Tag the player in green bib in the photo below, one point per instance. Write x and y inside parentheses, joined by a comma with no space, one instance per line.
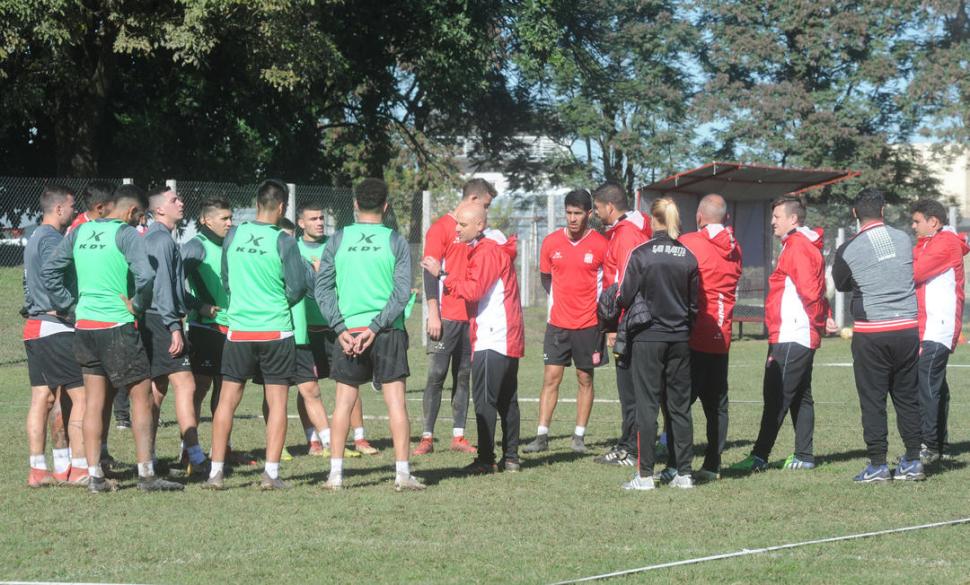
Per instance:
(363,286)
(263,275)
(107,254)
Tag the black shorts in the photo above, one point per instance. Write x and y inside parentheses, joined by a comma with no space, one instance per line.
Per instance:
(312,361)
(157,339)
(115,353)
(454,338)
(51,363)
(584,347)
(205,350)
(386,360)
(275,360)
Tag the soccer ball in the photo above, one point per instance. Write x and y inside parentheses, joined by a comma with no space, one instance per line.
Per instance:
(846,333)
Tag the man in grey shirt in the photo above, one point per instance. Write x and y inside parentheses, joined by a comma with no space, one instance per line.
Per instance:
(161,327)
(876,266)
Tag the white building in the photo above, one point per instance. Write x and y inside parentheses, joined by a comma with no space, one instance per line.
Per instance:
(954,176)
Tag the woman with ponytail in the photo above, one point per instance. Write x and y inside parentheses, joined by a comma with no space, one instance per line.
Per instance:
(664,273)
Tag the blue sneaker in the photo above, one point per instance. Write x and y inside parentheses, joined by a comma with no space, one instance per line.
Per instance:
(909,470)
(873,474)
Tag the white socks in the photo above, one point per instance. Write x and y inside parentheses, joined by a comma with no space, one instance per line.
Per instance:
(145,469)
(79,462)
(38,462)
(543,430)
(62,460)
(403,468)
(456,432)
(216,468)
(580,431)
(272,469)
(95,471)
(358,433)
(336,471)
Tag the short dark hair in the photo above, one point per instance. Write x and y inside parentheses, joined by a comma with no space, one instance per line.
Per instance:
(154,195)
(579,198)
(868,203)
(213,203)
(610,192)
(130,193)
(53,195)
(311,206)
(478,187)
(284,223)
(794,205)
(930,208)
(371,194)
(271,193)
(96,192)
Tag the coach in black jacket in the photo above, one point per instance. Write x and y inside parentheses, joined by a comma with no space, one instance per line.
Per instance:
(664,273)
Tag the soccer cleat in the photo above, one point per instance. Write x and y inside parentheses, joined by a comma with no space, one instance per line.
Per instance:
(376,387)
(750,463)
(795,463)
(407,483)
(666,476)
(510,466)
(241,458)
(578,444)
(63,476)
(909,470)
(332,486)
(479,468)
(153,483)
(683,481)
(462,445)
(539,444)
(928,456)
(425,446)
(873,474)
(616,456)
(638,483)
(364,448)
(267,483)
(316,449)
(40,478)
(286,455)
(198,470)
(123,425)
(97,485)
(78,478)
(705,475)
(215,482)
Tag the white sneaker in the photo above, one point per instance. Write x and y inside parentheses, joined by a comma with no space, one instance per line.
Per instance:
(682,481)
(639,483)
(407,483)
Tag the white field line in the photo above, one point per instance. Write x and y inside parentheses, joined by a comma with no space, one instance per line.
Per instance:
(54,583)
(754,551)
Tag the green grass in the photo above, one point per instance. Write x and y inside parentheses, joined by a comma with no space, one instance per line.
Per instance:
(562,517)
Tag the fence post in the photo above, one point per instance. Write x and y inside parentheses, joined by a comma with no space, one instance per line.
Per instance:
(525,259)
(840,297)
(425,225)
(550,213)
(127,181)
(171,184)
(953,216)
(291,202)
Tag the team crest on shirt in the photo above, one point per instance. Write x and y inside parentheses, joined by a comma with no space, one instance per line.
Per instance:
(588,258)
(557,255)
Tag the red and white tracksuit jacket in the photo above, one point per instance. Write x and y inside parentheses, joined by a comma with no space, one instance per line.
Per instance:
(624,235)
(719,263)
(795,308)
(939,278)
(491,290)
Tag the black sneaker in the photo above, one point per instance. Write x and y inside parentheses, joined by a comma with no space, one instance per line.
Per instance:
(479,468)
(123,425)
(97,485)
(510,466)
(539,444)
(153,483)
(618,457)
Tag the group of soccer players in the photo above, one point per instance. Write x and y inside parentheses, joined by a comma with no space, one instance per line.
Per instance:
(110,309)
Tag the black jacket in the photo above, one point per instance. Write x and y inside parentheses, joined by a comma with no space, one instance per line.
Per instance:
(664,273)
(635,318)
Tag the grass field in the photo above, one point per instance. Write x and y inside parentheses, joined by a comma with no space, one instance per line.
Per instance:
(562,517)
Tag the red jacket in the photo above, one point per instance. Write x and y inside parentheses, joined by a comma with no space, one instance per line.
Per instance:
(491,290)
(719,263)
(624,236)
(795,308)
(939,278)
